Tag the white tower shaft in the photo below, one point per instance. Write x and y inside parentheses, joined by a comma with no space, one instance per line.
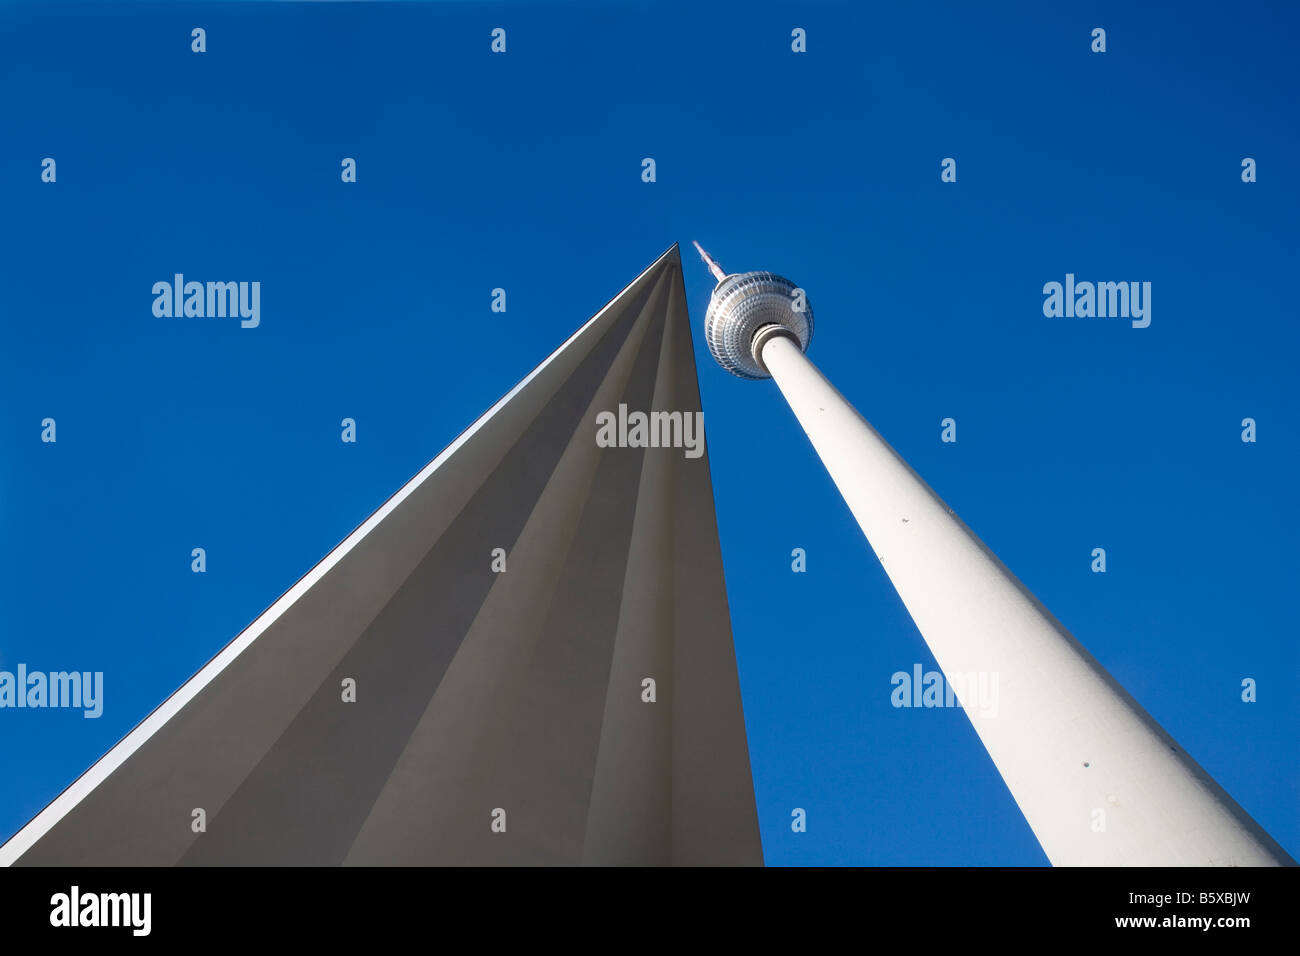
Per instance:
(1098,780)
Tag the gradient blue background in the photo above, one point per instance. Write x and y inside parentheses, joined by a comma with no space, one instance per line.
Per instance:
(523,171)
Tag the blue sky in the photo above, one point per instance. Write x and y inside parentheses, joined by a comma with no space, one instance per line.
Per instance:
(522,171)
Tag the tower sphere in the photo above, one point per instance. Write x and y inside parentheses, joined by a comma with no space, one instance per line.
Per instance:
(747,303)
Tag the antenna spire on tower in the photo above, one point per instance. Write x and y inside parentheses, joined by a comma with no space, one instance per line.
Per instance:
(708,261)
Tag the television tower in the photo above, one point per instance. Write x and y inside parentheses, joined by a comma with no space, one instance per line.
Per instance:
(1098,780)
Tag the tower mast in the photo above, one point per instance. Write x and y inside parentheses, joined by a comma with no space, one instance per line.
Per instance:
(1098,780)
